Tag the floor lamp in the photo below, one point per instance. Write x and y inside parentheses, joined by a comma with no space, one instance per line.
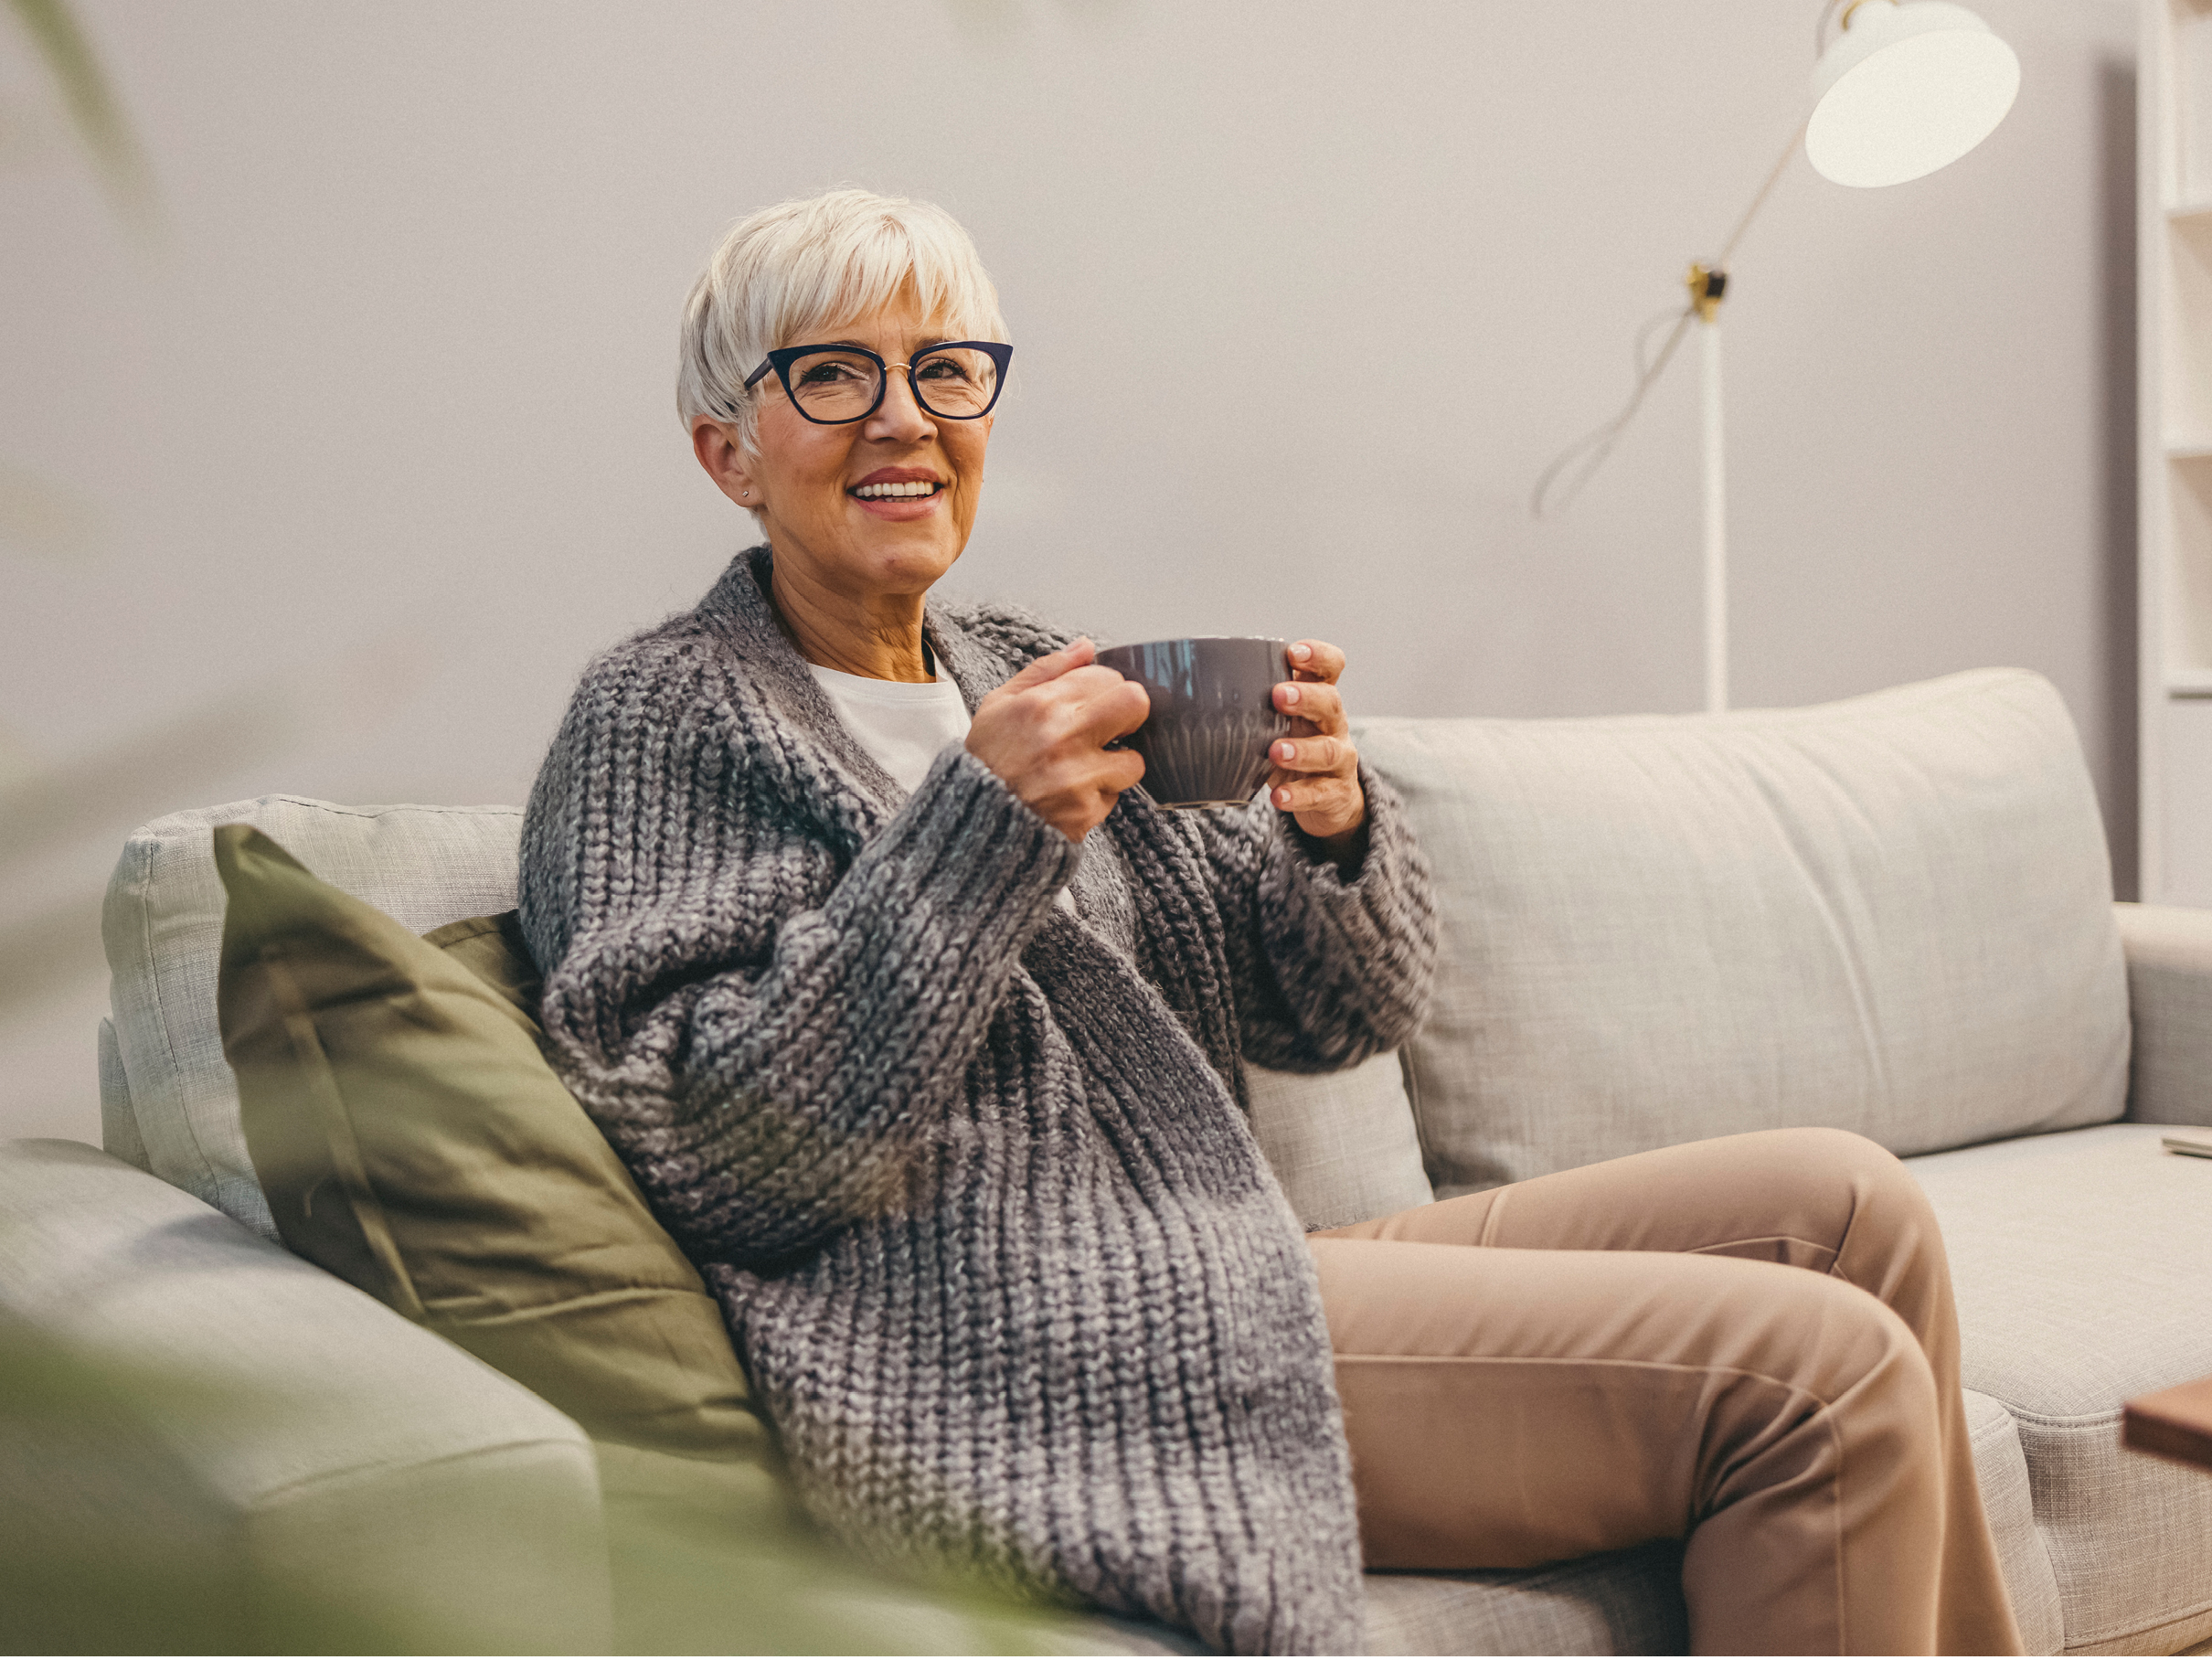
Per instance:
(1904,87)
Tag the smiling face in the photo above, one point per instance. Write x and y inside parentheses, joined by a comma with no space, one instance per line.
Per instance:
(867,510)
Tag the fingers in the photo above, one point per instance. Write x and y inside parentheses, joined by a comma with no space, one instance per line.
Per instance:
(1075,794)
(1325,806)
(1087,781)
(1305,755)
(1097,704)
(1078,653)
(1134,709)
(1319,704)
(1081,706)
(1317,660)
(1044,733)
(1314,775)
(1124,770)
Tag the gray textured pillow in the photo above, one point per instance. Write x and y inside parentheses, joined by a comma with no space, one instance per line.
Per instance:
(1343,1144)
(1891,914)
(168,1102)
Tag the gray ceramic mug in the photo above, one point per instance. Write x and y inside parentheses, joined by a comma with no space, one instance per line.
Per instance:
(1213,716)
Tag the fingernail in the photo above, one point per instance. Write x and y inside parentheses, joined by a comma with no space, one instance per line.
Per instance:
(1289,693)
(1286,751)
(1282,798)
(1301,651)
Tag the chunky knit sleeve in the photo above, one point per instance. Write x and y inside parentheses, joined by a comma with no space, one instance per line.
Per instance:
(1327,972)
(762,1012)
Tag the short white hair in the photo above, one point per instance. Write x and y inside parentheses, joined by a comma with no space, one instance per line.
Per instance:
(786,272)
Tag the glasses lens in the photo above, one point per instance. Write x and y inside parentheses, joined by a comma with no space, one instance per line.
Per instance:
(959,381)
(834,386)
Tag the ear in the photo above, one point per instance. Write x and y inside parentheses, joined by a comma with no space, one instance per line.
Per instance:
(716,445)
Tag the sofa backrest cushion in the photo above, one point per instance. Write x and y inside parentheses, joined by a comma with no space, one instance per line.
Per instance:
(1890,914)
(1343,1147)
(165,1078)
(1343,1144)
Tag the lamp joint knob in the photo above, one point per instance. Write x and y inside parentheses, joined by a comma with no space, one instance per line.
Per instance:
(1707,286)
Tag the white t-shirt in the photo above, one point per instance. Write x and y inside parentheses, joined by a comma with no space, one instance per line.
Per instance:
(903,724)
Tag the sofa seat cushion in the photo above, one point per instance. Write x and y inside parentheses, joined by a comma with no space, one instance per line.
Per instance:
(2079,1261)
(1628,1603)
(1891,915)
(2008,1501)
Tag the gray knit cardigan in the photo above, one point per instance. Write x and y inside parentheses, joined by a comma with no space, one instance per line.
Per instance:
(968,1174)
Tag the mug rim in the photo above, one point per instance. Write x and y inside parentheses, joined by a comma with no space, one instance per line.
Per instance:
(1128,645)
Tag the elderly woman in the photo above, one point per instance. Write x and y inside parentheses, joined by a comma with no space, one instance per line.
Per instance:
(925,1033)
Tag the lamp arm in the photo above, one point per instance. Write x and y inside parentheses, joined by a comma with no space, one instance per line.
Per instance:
(1782,165)
(1820,29)
(1594,446)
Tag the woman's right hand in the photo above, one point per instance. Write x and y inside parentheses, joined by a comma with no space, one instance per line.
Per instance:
(1045,731)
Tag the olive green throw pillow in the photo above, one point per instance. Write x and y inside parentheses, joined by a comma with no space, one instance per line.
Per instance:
(412,1140)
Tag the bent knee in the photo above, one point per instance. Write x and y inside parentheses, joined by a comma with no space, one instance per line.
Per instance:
(1861,1346)
(1822,1148)
(1894,1394)
(1846,1159)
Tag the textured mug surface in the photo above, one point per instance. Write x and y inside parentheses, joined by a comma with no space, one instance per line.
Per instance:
(1213,716)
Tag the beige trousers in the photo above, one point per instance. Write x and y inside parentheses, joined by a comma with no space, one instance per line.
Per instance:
(1748,1343)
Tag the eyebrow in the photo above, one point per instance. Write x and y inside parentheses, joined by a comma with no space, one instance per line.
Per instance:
(862,347)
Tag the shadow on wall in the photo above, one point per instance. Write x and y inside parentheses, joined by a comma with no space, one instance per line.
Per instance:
(2117,464)
(49,917)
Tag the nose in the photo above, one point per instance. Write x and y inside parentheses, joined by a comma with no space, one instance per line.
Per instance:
(899,418)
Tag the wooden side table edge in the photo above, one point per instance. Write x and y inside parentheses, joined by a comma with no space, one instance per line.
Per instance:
(2175,1423)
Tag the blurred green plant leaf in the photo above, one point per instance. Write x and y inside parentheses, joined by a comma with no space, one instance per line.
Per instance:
(99,118)
(115,1543)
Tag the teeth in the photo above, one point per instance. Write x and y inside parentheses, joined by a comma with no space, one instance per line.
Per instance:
(878,492)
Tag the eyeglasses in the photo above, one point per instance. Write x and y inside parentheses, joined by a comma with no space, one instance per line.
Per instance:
(830,385)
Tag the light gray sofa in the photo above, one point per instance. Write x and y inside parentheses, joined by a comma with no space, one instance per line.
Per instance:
(1891,915)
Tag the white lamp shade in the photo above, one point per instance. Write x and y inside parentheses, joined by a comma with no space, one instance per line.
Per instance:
(1906,89)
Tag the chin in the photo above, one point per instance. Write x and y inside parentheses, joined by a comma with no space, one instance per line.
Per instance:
(939,535)
(909,564)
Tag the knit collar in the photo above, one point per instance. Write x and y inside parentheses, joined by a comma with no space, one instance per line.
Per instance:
(858,794)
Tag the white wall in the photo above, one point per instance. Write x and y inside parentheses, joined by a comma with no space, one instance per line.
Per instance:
(375,440)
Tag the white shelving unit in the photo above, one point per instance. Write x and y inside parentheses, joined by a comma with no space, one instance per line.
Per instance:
(2174,342)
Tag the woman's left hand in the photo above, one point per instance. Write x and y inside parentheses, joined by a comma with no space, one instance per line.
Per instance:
(1316,774)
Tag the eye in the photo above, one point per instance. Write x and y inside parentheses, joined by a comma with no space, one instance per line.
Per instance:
(942,368)
(828,372)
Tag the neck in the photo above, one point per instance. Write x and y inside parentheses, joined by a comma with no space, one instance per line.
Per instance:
(876,637)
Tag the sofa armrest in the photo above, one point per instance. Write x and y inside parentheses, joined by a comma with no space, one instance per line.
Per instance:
(2169,957)
(208,1443)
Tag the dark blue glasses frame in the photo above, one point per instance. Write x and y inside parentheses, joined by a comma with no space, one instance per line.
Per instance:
(783,357)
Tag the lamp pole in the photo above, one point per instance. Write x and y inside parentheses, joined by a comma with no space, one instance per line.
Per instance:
(1705,289)
(1708,284)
